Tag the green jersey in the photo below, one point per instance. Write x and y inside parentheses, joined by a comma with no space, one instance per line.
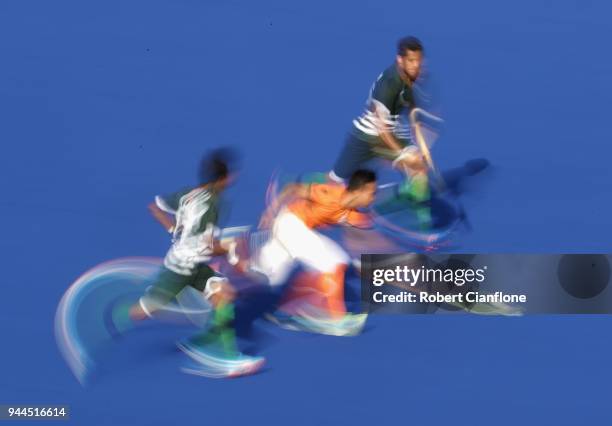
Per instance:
(391,97)
(196,212)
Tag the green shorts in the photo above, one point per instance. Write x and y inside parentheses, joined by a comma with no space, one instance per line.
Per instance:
(357,152)
(169,284)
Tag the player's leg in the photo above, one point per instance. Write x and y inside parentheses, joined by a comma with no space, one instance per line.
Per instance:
(331,262)
(319,254)
(411,164)
(318,300)
(273,260)
(215,348)
(220,335)
(353,155)
(166,287)
(415,186)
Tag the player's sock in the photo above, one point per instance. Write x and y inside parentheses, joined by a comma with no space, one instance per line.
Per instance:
(416,188)
(322,291)
(117,318)
(302,291)
(220,337)
(332,285)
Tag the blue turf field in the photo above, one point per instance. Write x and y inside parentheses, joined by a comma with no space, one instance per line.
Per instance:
(105,104)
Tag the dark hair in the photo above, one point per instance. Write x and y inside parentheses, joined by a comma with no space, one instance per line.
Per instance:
(360,178)
(409,43)
(217,165)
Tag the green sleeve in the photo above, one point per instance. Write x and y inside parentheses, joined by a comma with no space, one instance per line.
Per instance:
(170,202)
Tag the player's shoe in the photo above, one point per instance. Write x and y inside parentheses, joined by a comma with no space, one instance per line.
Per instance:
(213,365)
(283,320)
(315,321)
(490,308)
(348,325)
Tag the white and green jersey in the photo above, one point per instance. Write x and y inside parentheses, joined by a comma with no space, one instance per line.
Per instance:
(196,212)
(391,96)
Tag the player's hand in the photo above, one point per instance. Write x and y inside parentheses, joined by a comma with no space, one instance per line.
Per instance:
(360,220)
(414,163)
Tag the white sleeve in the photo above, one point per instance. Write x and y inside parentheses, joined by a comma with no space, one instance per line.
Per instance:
(161,203)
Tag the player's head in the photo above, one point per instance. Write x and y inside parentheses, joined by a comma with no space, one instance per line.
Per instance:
(362,187)
(217,168)
(410,56)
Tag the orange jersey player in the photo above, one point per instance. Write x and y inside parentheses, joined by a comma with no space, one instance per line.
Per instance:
(294,217)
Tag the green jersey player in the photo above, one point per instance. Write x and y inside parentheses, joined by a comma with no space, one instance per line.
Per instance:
(383,130)
(191,217)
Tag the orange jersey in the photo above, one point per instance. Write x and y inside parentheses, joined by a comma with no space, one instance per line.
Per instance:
(323,207)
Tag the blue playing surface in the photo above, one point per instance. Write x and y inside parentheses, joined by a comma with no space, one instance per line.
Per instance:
(105,104)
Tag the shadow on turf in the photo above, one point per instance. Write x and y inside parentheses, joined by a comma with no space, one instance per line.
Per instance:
(455,178)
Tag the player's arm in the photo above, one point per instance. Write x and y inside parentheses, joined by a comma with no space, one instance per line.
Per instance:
(381,98)
(386,136)
(381,116)
(407,158)
(360,220)
(162,217)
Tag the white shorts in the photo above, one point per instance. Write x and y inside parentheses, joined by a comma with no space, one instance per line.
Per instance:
(292,241)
